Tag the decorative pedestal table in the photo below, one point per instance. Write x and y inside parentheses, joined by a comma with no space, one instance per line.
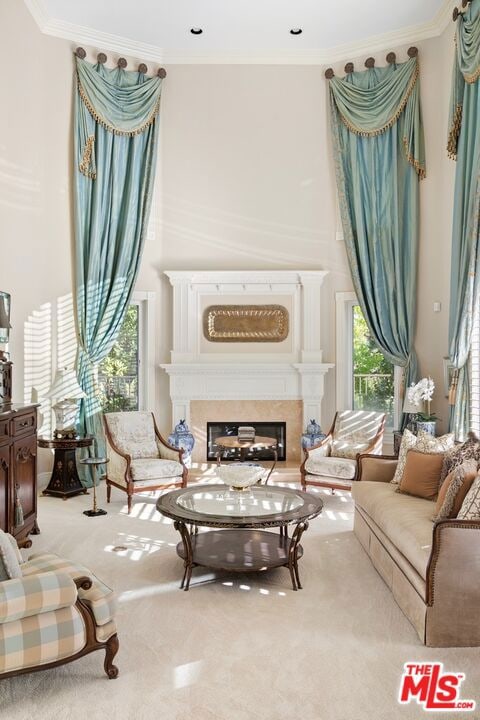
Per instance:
(243,544)
(65,481)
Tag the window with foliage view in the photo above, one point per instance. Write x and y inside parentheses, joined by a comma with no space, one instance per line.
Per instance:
(118,374)
(373,375)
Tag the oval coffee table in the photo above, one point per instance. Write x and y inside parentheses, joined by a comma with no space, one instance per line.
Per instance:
(242,544)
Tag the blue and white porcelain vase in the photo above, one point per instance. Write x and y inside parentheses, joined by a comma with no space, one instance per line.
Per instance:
(182,438)
(312,435)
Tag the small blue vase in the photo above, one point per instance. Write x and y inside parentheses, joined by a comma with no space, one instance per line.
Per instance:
(312,435)
(182,438)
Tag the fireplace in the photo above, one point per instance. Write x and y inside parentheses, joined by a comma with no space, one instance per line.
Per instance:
(272,429)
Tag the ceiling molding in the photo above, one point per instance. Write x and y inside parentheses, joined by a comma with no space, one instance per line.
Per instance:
(144,51)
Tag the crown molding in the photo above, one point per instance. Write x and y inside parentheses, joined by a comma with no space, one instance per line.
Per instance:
(322,56)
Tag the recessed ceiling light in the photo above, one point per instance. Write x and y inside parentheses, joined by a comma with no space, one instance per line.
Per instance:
(196,31)
(296,31)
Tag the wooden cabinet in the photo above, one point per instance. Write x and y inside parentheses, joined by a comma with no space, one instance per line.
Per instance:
(18,469)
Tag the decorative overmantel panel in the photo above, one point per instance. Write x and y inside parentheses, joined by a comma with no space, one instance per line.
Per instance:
(289,370)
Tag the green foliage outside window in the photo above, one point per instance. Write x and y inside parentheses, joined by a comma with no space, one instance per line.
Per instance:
(118,372)
(373,375)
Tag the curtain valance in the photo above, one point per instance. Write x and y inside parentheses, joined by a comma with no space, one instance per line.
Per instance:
(369,103)
(466,69)
(123,102)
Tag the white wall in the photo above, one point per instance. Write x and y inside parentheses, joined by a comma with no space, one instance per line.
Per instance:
(245,181)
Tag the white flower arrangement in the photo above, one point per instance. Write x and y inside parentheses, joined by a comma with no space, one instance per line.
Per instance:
(421,393)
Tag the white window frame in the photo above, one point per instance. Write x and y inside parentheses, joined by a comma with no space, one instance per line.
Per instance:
(345,302)
(145,301)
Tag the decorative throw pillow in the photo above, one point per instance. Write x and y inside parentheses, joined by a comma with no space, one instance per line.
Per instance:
(454,489)
(9,565)
(455,457)
(424,443)
(470,509)
(421,476)
(349,446)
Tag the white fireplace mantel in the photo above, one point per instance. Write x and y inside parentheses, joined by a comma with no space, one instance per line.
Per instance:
(269,371)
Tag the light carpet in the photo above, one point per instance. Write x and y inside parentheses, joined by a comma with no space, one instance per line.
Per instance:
(242,647)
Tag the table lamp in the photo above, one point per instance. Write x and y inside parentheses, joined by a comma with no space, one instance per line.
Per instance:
(411,411)
(67,392)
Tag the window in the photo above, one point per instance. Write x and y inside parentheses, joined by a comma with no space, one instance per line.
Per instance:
(126,376)
(373,375)
(365,379)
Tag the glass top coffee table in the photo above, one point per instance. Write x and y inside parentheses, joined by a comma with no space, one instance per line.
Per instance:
(241,542)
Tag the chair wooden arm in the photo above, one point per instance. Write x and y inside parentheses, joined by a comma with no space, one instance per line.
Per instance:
(83,582)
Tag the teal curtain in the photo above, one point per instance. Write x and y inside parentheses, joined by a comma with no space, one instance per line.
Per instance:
(464,146)
(115,150)
(379,158)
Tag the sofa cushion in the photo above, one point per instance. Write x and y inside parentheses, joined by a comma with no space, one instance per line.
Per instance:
(133,433)
(149,469)
(424,443)
(470,509)
(404,519)
(421,476)
(41,639)
(343,468)
(469,450)
(9,563)
(454,489)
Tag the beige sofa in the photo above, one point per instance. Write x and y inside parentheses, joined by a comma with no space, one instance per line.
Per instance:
(432,569)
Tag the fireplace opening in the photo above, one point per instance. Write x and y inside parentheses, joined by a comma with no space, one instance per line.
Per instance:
(277,430)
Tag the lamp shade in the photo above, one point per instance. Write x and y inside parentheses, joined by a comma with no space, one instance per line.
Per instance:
(4,315)
(409,408)
(65,385)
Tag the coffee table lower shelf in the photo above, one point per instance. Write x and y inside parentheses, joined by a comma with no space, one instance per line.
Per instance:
(241,550)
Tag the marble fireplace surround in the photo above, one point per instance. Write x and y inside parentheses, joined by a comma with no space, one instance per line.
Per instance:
(254,381)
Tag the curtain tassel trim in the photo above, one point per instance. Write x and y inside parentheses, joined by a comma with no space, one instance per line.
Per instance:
(86,161)
(454,132)
(101,121)
(452,393)
(419,168)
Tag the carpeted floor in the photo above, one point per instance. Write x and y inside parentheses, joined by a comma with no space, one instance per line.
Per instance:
(234,647)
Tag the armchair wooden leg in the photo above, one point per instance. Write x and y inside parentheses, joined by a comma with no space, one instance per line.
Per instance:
(109,491)
(129,503)
(110,652)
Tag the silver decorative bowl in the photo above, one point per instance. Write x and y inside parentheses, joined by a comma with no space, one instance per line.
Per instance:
(240,476)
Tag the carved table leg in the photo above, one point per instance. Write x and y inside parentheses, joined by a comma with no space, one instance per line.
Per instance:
(293,554)
(188,561)
(110,652)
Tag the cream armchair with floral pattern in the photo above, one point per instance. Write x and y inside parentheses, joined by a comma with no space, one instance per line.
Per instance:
(140,459)
(333,462)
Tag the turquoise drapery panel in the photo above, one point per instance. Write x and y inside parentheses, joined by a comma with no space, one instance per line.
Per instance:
(115,149)
(379,158)
(464,146)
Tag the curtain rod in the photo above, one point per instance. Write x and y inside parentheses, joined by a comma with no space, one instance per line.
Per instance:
(458,13)
(370,62)
(121,62)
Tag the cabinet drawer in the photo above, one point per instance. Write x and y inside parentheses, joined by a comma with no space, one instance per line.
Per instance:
(4,427)
(23,424)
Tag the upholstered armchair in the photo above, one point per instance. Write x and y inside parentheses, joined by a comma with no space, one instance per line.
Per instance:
(333,462)
(140,459)
(54,612)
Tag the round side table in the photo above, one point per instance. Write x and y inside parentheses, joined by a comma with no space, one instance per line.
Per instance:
(65,482)
(94,462)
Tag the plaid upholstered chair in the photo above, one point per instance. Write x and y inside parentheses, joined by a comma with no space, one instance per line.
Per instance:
(333,462)
(53,612)
(140,458)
